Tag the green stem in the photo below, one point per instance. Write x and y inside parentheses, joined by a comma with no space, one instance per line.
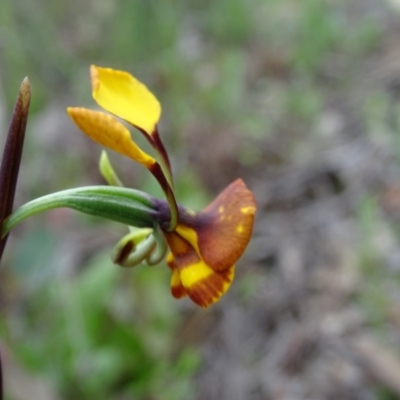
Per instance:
(128,206)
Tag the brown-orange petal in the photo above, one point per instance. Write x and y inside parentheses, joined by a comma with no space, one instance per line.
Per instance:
(222,231)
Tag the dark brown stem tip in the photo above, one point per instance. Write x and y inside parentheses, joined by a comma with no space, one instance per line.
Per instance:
(10,162)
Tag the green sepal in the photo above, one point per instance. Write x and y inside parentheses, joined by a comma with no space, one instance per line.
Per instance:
(107,170)
(128,206)
(159,253)
(134,248)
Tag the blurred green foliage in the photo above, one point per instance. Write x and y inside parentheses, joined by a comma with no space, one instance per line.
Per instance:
(101,333)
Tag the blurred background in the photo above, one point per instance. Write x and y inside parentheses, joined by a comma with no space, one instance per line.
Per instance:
(301,100)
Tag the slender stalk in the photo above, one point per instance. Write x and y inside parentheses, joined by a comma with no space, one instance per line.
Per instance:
(158,145)
(158,173)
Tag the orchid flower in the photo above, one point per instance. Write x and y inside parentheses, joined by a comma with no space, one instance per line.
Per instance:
(203,246)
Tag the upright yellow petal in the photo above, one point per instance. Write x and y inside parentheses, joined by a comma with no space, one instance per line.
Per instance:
(107,131)
(124,96)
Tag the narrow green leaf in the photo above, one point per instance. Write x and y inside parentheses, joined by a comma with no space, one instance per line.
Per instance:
(128,206)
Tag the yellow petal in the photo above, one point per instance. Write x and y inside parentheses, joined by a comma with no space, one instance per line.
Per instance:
(124,96)
(107,131)
(203,285)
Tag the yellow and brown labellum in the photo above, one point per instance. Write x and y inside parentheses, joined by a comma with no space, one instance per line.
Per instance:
(192,276)
(209,289)
(121,94)
(107,131)
(205,246)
